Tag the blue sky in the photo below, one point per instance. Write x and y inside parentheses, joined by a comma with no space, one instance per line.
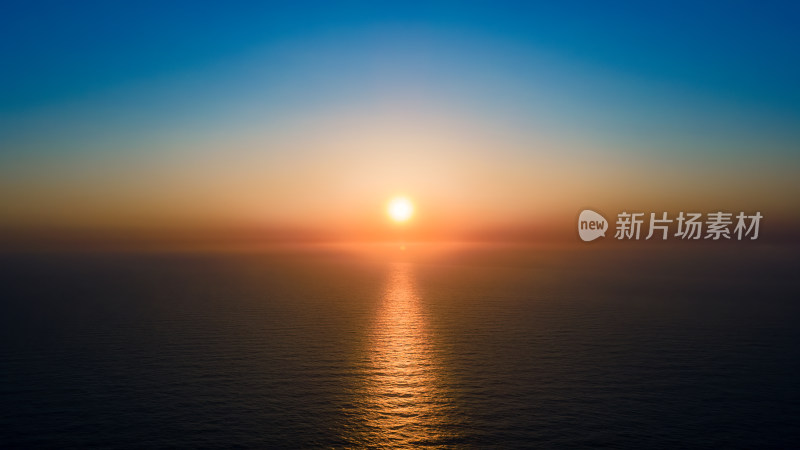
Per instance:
(735,55)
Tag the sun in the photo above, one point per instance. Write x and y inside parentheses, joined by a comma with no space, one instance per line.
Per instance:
(400,209)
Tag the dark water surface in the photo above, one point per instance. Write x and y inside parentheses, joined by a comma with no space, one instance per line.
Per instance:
(638,347)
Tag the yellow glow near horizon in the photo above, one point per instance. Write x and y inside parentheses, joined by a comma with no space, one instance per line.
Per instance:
(400,209)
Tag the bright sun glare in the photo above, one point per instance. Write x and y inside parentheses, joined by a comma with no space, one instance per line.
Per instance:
(400,209)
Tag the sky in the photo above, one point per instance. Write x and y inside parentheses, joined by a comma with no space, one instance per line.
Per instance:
(301,120)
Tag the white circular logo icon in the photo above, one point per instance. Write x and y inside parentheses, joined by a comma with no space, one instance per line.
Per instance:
(591,225)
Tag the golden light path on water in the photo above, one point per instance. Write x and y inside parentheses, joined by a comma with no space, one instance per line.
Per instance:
(405,402)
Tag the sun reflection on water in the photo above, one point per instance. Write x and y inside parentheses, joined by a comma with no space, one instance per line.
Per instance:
(404,401)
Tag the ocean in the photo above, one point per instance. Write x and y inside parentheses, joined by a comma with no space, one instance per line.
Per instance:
(458,346)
